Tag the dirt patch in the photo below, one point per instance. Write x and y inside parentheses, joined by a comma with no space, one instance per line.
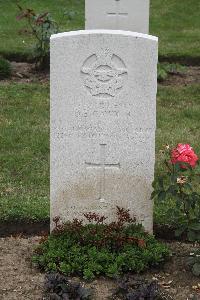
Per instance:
(26,72)
(21,281)
(191,75)
(26,228)
(175,276)
(183,60)
(18,279)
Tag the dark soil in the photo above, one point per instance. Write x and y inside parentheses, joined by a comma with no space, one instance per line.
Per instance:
(175,276)
(25,228)
(190,76)
(183,60)
(26,72)
(21,281)
(28,228)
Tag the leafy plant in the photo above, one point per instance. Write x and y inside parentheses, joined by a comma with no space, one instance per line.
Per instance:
(99,249)
(194,262)
(5,68)
(179,182)
(133,288)
(166,69)
(42,27)
(59,287)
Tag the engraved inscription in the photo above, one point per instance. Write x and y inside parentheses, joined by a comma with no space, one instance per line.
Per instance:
(103,166)
(104,74)
(117,14)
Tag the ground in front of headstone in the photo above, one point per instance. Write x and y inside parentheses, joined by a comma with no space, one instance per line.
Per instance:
(18,280)
(25,73)
(21,281)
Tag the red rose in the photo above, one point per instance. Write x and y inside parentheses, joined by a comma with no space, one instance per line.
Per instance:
(184,153)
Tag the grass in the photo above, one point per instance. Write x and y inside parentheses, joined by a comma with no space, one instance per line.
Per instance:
(19,44)
(178,115)
(24,138)
(24,152)
(176,23)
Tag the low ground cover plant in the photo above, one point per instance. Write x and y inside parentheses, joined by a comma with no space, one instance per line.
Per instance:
(98,248)
(194,262)
(5,68)
(59,287)
(166,69)
(179,181)
(133,288)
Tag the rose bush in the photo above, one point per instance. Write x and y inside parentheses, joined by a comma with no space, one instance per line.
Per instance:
(42,26)
(184,153)
(179,183)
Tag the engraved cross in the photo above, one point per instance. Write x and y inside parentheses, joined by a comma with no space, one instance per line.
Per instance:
(102,166)
(117,14)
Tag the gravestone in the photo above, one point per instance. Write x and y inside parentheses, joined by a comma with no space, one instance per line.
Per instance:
(130,15)
(103,119)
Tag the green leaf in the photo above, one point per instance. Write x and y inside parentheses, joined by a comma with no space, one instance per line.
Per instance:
(194,226)
(195,196)
(188,186)
(154,184)
(187,204)
(178,204)
(161,182)
(162,195)
(173,178)
(177,167)
(172,190)
(154,194)
(196,269)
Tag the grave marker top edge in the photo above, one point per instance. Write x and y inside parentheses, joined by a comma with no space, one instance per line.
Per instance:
(104,31)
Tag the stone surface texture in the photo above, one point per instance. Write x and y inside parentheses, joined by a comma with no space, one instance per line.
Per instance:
(103,120)
(130,15)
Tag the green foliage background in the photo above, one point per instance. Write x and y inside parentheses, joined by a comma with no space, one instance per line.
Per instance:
(176,23)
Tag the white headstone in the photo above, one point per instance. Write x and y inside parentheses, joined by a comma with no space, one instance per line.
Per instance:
(103,119)
(130,15)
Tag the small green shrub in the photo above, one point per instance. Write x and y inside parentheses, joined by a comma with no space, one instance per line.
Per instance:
(165,69)
(98,248)
(194,262)
(5,68)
